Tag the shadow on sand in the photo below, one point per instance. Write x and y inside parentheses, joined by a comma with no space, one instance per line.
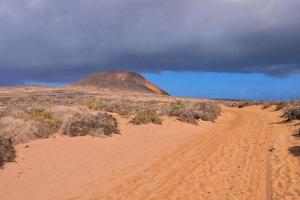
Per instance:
(281,122)
(296,134)
(295,150)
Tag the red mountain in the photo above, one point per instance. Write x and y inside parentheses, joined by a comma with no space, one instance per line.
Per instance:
(125,81)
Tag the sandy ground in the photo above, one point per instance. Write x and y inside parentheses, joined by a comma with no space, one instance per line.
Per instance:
(244,155)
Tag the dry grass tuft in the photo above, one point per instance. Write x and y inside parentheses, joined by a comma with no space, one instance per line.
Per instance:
(7,151)
(89,124)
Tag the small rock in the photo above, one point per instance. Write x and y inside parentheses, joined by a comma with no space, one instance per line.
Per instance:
(272,149)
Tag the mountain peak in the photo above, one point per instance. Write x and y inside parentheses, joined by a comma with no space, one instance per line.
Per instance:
(120,80)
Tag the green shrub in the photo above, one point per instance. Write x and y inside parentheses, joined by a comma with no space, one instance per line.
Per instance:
(7,151)
(146,117)
(88,124)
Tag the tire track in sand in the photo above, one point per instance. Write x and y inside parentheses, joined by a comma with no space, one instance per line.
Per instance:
(228,161)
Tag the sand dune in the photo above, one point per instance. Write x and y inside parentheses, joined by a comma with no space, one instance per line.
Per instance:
(244,155)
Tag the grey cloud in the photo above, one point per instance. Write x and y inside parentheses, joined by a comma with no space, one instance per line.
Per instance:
(62,40)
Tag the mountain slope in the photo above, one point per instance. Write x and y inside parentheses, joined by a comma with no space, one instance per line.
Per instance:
(128,81)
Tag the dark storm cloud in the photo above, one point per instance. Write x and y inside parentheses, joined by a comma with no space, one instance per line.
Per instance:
(62,40)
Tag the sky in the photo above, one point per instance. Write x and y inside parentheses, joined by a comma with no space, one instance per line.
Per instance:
(228,86)
(199,48)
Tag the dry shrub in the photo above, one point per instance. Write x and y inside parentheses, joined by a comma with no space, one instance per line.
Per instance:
(45,122)
(25,124)
(192,112)
(146,117)
(7,151)
(235,104)
(188,117)
(88,124)
(18,130)
(94,104)
(244,104)
(123,108)
(292,113)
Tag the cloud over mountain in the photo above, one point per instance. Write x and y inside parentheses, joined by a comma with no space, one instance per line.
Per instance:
(60,40)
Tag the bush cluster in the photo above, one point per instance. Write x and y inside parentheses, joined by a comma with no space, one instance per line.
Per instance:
(292,113)
(88,124)
(146,117)
(192,112)
(45,123)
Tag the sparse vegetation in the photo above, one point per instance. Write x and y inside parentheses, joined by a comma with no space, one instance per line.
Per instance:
(192,112)
(88,124)
(123,108)
(34,115)
(147,112)
(7,151)
(146,117)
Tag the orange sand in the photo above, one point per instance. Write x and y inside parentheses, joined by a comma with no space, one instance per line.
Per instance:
(229,159)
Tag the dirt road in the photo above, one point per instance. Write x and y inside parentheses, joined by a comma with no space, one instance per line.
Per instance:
(232,160)
(244,155)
